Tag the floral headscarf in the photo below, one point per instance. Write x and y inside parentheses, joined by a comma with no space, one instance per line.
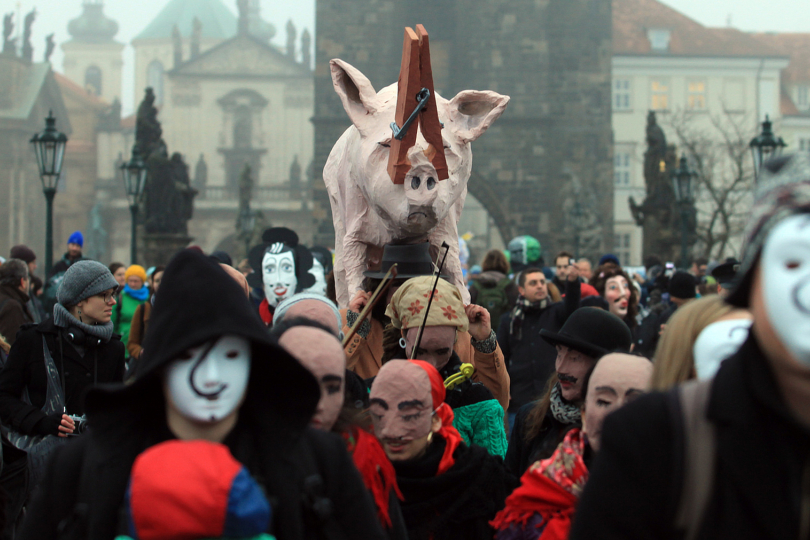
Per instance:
(409,303)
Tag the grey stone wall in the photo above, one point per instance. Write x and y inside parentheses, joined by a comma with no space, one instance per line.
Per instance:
(553,143)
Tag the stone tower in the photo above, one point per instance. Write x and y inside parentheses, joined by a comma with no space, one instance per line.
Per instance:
(92,57)
(554,142)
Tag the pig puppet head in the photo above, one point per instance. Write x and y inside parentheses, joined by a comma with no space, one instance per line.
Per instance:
(413,209)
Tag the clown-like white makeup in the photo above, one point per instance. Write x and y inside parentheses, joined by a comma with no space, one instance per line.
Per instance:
(278,274)
(207,383)
(320,278)
(785,265)
(717,342)
(401,408)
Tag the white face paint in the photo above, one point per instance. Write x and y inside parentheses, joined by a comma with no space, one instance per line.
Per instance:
(278,274)
(786,284)
(320,278)
(717,342)
(208,382)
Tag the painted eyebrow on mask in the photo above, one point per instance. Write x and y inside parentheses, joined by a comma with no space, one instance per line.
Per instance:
(332,378)
(410,404)
(378,401)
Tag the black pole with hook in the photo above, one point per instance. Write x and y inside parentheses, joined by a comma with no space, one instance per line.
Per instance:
(439,268)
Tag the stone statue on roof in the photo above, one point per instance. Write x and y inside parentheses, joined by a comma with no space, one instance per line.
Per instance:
(27,48)
(244,16)
(9,46)
(306,47)
(291,40)
(196,35)
(49,47)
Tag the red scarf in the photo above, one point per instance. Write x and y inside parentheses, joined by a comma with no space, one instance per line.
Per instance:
(445,413)
(265,313)
(378,474)
(550,488)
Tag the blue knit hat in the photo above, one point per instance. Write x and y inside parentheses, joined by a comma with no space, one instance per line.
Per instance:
(76,238)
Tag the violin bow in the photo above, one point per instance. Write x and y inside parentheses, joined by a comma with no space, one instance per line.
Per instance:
(439,268)
(382,288)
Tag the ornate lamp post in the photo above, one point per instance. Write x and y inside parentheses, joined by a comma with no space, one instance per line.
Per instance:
(765,146)
(134,173)
(247,222)
(682,185)
(49,147)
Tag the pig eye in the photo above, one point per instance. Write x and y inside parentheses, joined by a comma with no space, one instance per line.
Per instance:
(385,144)
(431,182)
(415,182)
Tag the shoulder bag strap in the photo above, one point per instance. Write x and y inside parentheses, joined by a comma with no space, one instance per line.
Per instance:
(700,452)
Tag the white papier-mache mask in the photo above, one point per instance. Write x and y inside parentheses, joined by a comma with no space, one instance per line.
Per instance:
(278,273)
(785,264)
(209,382)
(317,270)
(717,342)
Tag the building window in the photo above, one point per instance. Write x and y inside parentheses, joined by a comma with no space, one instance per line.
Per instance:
(621,168)
(659,39)
(154,79)
(734,95)
(92,80)
(696,95)
(803,97)
(621,95)
(621,247)
(659,94)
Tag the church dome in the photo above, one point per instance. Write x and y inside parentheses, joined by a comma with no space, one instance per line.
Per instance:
(92,25)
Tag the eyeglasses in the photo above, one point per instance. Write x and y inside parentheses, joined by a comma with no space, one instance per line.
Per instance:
(106,296)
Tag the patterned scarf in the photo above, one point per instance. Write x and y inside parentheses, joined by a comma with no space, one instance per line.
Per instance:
(521,307)
(549,491)
(564,412)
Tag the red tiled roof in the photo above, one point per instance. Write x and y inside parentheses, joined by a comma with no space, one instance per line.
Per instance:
(75,89)
(632,19)
(786,105)
(128,122)
(797,46)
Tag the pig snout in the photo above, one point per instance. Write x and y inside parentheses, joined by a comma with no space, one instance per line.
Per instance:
(421,188)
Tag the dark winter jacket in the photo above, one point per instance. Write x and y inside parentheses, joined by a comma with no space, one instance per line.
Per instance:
(530,360)
(522,453)
(63,264)
(648,332)
(762,467)
(491,278)
(25,368)
(14,312)
(308,477)
(458,504)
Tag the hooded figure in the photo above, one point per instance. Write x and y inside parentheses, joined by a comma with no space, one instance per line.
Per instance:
(281,269)
(306,475)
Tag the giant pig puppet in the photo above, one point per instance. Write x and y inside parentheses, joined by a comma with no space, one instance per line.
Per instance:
(368,209)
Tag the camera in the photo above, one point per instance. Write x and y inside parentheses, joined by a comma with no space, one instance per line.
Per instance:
(572,262)
(79,423)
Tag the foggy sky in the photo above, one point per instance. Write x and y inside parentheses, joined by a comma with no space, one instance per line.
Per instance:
(133,16)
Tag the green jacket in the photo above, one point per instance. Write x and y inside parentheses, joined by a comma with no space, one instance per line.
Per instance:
(122,315)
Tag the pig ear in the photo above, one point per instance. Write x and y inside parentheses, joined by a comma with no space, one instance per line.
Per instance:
(358,96)
(471,112)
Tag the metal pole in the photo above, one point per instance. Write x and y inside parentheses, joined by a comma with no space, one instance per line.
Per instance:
(133,246)
(684,233)
(50,193)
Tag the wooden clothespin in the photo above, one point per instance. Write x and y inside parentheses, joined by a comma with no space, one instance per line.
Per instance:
(416,104)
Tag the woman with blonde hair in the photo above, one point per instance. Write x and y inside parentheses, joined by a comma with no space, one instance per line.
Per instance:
(675,358)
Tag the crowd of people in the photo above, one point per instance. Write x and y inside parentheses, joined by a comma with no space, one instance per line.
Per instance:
(205,400)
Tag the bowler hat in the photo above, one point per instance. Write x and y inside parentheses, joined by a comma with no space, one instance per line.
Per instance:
(725,273)
(592,331)
(412,260)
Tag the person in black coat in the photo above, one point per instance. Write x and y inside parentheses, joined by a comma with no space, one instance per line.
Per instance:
(529,359)
(250,395)
(756,476)
(541,425)
(82,345)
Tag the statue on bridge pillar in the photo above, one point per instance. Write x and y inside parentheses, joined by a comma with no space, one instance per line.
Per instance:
(169,197)
(658,214)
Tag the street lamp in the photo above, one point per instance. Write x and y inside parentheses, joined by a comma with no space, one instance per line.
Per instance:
(682,185)
(765,146)
(134,173)
(49,147)
(247,222)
